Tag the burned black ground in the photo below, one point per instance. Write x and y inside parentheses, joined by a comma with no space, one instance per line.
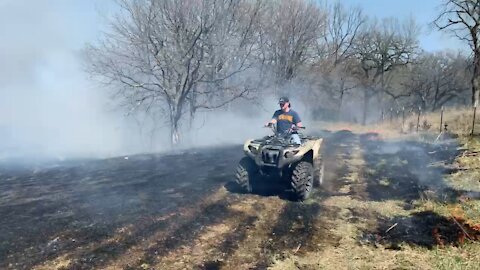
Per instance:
(94,212)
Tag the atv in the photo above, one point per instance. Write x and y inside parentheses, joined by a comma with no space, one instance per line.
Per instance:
(277,157)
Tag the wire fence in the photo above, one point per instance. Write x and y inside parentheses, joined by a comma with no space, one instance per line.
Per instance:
(460,120)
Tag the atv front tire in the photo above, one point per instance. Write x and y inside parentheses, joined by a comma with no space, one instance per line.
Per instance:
(245,174)
(302,179)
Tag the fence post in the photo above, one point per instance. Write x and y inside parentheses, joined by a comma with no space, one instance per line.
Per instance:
(391,115)
(403,118)
(474,114)
(441,120)
(418,117)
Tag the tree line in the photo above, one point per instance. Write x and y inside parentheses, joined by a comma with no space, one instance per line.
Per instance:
(174,58)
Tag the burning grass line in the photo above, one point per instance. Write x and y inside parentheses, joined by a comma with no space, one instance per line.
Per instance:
(461,227)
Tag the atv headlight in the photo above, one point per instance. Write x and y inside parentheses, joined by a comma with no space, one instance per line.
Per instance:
(253,149)
(290,154)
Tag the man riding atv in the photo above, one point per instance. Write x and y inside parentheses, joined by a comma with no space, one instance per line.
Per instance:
(286,120)
(285,156)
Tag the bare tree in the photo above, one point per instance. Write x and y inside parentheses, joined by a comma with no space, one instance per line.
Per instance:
(168,54)
(462,18)
(336,47)
(342,28)
(289,33)
(380,49)
(437,79)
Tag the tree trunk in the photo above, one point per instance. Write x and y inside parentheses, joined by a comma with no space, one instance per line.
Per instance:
(366,101)
(342,92)
(175,134)
(476,85)
(435,98)
(175,115)
(193,111)
(476,76)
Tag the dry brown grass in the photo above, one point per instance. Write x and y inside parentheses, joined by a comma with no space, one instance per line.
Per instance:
(466,181)
(354,216)
(459,121)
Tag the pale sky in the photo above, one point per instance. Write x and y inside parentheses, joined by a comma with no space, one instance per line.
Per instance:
(424,12)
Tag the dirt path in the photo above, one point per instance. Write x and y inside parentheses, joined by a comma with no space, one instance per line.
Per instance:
(181,211)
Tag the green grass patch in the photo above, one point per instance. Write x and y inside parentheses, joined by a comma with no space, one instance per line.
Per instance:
(452,258)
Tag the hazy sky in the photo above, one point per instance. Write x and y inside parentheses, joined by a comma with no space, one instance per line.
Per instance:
(48,104)
(424,12)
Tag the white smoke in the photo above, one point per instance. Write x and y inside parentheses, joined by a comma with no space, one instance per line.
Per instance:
(48,108)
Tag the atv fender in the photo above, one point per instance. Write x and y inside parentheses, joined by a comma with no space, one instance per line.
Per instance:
(252,150)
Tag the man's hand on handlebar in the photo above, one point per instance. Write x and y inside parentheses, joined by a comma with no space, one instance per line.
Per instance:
(295,128)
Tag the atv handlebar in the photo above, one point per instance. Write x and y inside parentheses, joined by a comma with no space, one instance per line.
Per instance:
(273,125)
(290,130)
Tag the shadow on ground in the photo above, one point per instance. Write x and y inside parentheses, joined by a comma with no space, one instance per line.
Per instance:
(57,210)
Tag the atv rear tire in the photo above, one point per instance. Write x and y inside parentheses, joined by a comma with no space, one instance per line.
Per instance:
(302,179)
(246,172)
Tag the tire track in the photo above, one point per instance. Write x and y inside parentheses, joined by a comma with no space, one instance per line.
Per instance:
(215,243)
(332,223)
(305,228)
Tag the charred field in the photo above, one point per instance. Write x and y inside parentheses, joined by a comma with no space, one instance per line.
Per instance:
(385,204)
